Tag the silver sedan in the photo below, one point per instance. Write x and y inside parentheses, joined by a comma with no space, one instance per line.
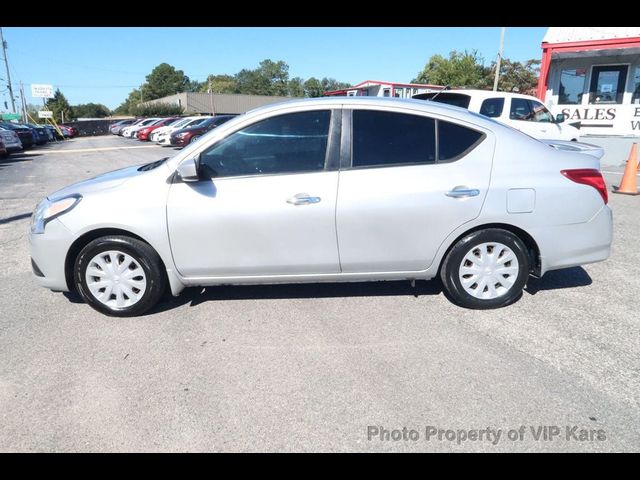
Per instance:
(329,190)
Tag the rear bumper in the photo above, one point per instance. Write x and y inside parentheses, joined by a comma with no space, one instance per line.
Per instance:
(48,252)
(565,246)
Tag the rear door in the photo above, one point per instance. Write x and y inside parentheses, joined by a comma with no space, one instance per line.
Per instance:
(409,180)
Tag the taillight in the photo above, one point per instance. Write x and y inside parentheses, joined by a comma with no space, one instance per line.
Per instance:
(588,176)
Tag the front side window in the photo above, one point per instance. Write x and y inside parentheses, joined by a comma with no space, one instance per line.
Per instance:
(572,86)
(540,112)
(607,84)
(291,143)
(492,107)
(520,109)
(389,138)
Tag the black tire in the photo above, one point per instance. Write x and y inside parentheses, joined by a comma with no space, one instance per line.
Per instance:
(194,138)
(142,253)
(449,271)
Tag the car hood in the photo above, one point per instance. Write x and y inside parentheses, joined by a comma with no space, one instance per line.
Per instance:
(101,182)
(187,130)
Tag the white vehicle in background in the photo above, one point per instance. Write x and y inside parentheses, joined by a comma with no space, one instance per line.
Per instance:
(522,112)
(130,132)
(180,123)
(164,138)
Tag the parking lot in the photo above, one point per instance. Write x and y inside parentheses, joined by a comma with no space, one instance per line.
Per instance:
(311,367)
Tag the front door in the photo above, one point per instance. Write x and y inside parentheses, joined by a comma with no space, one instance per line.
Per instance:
(265,204)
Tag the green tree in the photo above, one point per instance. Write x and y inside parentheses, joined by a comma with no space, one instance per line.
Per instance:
(270,78)
(219,84)
(521,77)
(164,80)
(60,107)
(332,84)
(156,109)
(461,69)
(90,110)
(313,87)
(296,87)
(133,99)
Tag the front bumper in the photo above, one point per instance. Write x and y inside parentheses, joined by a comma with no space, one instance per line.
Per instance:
(179,141)
(49,252)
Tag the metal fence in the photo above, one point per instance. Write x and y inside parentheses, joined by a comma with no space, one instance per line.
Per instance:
(89,128)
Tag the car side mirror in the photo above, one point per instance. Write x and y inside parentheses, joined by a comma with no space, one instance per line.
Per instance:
(188,170)
(560,118)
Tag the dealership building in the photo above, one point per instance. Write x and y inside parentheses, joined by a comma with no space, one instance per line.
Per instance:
(592,75)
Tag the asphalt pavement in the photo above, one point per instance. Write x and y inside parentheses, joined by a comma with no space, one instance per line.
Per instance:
(327,367)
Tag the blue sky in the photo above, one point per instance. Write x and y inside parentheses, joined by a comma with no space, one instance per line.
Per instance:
(103,65)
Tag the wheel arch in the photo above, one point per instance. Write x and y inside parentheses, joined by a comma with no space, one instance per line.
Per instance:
(533,249)
(88,237)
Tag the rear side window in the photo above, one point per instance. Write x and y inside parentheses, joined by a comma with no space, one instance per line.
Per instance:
(455,141)
(492,107)
(388,138)
(455,99)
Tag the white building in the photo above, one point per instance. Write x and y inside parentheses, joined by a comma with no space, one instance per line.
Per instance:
(592,75)
(378,88)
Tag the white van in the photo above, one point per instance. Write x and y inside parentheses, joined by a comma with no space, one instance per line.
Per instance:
(522,112)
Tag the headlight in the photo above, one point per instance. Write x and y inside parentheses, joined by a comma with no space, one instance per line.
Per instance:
(47,210)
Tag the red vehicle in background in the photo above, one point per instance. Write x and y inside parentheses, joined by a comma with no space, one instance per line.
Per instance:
(143,133)
(67,131)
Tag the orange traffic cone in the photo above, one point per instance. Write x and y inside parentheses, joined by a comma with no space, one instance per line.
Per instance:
(629,184)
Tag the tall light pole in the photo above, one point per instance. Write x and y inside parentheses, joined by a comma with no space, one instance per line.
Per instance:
(495,81)
(6,64)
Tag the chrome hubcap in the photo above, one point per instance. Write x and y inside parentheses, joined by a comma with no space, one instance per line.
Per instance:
(116,279)
(488,270)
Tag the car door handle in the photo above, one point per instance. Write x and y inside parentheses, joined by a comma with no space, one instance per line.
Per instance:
(303,199)
(463,192)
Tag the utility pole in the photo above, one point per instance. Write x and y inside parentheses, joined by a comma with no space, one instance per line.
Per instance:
(495,81)
(6,64)
(211,96)
(23,103)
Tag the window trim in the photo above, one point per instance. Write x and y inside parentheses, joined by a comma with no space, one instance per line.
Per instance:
(347,150)
(332,153)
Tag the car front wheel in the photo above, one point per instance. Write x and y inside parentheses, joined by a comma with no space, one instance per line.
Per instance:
(119,276)
(486,269)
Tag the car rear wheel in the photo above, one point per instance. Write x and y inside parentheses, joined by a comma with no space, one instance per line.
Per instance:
(119,276)
(486,269)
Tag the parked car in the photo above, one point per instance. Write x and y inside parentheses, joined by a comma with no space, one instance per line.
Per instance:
(424,190)
(114,128)
(165,137)
(522,112)
(41,134)
(54,134)
(144,132)
(185,136)
(71,131)
(130,131)
(10,140)
(3,150)
(180,123)
(25,134)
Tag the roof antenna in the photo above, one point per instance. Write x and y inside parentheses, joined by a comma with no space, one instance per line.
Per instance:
(446,87)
